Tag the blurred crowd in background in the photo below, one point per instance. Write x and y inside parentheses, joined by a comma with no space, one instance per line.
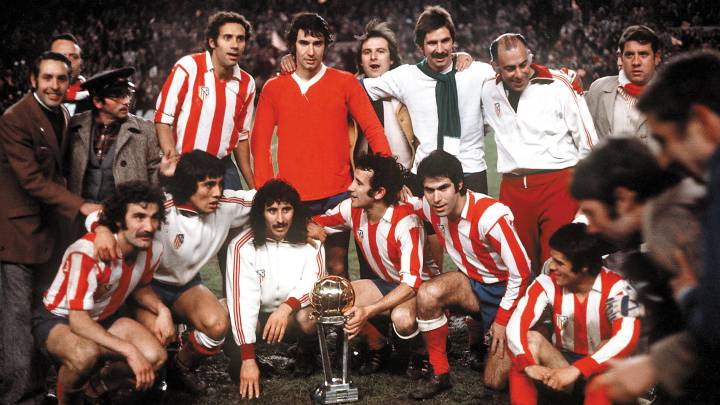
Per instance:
(153,35)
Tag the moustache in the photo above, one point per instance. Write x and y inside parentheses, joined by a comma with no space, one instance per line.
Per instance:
(280,225)
(145,235)
(439,55)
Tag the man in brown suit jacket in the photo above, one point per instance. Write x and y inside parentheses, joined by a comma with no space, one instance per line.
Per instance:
(34,195)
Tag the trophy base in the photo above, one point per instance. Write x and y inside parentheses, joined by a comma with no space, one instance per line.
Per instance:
(335,394)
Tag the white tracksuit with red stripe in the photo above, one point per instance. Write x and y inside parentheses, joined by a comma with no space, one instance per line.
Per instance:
(483,244)
(552,128)
(190,238)
(86,284)
(259,279)
(579,327)
(393,247)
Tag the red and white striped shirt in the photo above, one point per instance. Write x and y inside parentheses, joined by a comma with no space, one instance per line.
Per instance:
(484,245)
(580,327)
(205,112)
(85,284)
(393,247)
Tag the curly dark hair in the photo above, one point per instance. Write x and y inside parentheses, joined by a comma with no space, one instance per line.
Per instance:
(273,191)
(132,192)
(312,24)
(221,18)
(192,168)
(386,173)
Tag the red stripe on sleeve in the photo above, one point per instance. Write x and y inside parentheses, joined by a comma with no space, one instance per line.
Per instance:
(526,318)
(188,139)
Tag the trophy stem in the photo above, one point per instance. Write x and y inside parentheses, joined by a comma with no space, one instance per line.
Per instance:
(345,358)
(324,355)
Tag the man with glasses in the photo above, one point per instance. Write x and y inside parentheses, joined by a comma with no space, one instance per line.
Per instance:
(108,145)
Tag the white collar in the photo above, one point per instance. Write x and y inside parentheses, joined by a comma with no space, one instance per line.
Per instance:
(306,84)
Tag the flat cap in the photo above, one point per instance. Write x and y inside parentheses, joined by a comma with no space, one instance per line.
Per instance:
(113,82)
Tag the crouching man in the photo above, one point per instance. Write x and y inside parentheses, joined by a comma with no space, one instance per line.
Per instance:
(584,339)
(390,236)
(81,325)
(271,270)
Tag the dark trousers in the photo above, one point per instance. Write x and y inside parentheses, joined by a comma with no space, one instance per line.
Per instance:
(20,364)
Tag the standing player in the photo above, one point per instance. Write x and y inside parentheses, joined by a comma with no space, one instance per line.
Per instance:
(444,104)
(391,237)
(494,270)
(542,129)
(584,340)
(272,270)
(82,324)
(199,217)
(207,101)
(310,109)
(611,100)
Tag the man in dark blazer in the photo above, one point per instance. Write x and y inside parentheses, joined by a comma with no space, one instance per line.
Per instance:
(108,145)
(611,99)
(34,198)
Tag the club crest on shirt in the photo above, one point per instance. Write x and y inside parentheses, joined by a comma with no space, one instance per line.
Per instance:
(442,228)
(203,92)
(178,241)
(497,109)
(361,234)
(261,274)
(561,320)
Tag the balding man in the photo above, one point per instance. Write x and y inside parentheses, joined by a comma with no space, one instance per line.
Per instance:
(76,99)
(542,128)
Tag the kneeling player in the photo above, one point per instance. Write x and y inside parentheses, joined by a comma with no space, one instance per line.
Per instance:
(81,324)
(199,216)
(583,339)
(478,235)
(391,237)
(271,270)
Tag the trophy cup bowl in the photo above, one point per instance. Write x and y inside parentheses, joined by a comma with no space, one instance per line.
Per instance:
(330,297)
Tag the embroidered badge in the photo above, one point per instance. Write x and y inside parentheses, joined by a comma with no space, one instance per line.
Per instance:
(203,92)
(442,227)
(497,109)
(261,274)
(178,241)
(361,234)
(561,321)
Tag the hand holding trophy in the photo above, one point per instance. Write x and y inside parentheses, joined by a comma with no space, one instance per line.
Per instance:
(330,297)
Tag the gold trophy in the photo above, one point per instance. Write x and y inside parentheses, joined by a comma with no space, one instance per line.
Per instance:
(330,296)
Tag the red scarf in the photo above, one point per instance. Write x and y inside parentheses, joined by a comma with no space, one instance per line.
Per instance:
(633,89)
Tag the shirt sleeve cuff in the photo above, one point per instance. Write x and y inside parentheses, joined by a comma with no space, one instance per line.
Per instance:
(524,360)
(294,303)
(588,366)
(247,351)
(502,316)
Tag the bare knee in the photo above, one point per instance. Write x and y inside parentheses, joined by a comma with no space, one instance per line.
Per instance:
(82,358)
(404,321)
(215,324)
(429,295)
(304,322)
(155,354)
